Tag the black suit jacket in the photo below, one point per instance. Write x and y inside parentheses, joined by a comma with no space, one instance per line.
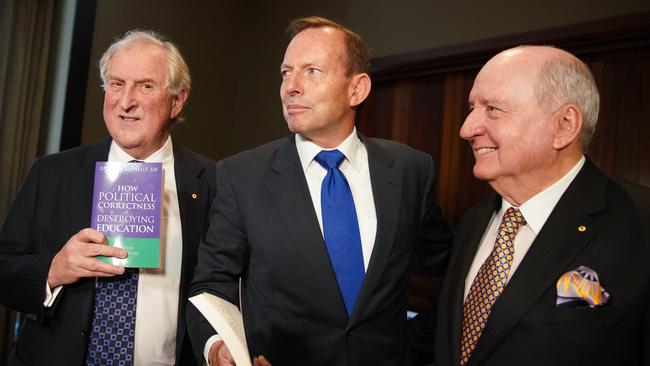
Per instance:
(53,204)
(263,227)
(525,326)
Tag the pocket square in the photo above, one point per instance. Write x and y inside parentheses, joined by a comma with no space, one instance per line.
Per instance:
(580,287)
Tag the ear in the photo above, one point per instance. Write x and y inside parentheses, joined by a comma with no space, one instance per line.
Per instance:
(568,126)
(359,89)
(178,101)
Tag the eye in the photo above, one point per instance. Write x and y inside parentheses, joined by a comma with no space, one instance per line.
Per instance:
(147,87)
(285,73)
(115,84)
(313,71)
(491,108)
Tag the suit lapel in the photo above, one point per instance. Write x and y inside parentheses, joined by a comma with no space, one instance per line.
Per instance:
(289,191)
(81,182)
(460,267)
(191,196)
(387,192)
(556,245)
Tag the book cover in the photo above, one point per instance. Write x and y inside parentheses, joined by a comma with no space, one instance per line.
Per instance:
(227,320)
(126,208)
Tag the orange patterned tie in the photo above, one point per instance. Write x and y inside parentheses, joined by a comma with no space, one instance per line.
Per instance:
(489,282)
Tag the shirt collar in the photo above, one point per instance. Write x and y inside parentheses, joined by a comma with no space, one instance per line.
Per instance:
(351,147)
(164,155)
(539,207)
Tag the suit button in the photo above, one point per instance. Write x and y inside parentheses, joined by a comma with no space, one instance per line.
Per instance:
(83,334)
(350,333)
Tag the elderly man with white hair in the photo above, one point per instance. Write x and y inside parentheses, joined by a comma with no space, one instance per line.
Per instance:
(77,306)
(552,269)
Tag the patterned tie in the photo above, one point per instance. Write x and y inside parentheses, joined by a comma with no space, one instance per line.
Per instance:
(489,282)
(113,330)
(112,337)
(341,228)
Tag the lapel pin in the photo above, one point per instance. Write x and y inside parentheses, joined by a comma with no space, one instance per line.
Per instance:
(194,196)
(582,228)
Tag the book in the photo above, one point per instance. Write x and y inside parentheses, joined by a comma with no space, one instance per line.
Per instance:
(126,208)
(227,320)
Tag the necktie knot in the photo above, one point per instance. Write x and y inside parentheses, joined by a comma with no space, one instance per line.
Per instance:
(513,219)
(330,159)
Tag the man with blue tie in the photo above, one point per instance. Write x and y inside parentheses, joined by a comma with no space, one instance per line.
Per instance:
(320,226)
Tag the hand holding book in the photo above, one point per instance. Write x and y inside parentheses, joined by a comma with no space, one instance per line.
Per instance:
(220,356)
(226,319)
(77,259)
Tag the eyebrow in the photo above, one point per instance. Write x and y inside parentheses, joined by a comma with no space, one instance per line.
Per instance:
(138,81)
(303,66)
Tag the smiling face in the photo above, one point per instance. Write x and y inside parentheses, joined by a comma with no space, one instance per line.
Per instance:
(510,133)
(318,92)
(138,106)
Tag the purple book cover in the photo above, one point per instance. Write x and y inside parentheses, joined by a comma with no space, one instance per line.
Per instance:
(126,208)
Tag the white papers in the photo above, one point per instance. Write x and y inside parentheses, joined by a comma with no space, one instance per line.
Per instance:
(226,319)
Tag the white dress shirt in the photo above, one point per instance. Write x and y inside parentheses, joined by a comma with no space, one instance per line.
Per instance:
(357,172)
(536,211)
(158,288)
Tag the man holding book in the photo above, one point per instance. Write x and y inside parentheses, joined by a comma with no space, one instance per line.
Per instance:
(79,309)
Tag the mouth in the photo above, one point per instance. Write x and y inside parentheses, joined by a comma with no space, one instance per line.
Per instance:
(129,118)
(296,108)
(484,150)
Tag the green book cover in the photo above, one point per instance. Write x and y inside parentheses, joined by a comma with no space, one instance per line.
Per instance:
(126,208)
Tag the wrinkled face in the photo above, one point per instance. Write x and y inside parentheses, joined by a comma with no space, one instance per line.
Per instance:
(138,106)
(510,133)
(316,85)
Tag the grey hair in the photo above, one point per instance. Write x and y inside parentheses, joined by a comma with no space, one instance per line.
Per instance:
(178,77)
(568,80)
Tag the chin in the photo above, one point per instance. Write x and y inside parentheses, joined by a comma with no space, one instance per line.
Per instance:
(483,173)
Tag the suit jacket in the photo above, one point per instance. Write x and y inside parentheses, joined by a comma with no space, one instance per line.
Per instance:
(525,326)
(263,227)
(53,204)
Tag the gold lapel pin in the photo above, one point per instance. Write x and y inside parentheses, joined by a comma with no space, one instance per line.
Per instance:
(582,228)
(194,196)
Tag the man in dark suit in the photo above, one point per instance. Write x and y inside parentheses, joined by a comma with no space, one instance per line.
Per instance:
(48,268)
(273,223)
(563,278)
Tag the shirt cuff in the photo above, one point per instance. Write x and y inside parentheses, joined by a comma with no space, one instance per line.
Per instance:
(50,295)
(206,350)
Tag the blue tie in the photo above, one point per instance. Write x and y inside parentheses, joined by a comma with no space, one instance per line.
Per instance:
(112,336)
(341,228)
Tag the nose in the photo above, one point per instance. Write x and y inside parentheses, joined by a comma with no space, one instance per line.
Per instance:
(472,126)
(292,85)
(127,98)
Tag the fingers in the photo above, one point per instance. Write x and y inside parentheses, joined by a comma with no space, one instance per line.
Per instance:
(76,259)
(261,361)
(219,355)
(93,250)
(89,235)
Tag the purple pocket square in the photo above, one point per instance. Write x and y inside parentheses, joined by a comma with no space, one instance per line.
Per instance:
(580,287)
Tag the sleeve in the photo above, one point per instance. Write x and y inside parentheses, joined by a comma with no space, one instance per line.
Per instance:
(222,258)
(23,267)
